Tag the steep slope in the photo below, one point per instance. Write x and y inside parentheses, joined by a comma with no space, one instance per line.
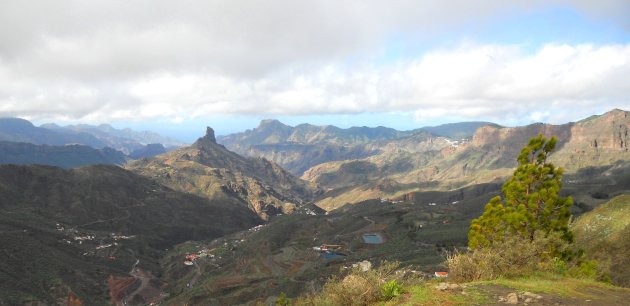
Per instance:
(20,130)
(209,169)
(604,234)
(65,232)
(491,155)
(68,156)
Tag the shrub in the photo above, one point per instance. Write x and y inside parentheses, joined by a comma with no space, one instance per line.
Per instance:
(510,257)
(391,289)
(586,269)
(531,201)
(283,300)
(357,288)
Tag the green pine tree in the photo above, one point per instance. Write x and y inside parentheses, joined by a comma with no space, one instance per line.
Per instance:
(531,200)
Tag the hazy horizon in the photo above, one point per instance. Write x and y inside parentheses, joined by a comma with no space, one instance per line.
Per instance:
(174,69)
(192,135)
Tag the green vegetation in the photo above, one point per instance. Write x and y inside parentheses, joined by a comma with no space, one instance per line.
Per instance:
(527,231)
(391,289)
(426,293)
(283,300)
(510,257)
(553,290)
(604,234)
(531,201)
(358,287)
(553,284)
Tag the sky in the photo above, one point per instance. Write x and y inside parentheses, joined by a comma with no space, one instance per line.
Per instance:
(177,66)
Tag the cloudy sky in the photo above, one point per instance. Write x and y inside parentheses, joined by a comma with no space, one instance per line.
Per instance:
(177,66)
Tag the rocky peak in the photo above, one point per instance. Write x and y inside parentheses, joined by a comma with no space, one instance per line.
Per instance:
(270,122)
(208,139)
(210,135)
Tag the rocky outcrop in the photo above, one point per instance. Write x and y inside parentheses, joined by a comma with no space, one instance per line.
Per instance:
(210,135)
(606,132)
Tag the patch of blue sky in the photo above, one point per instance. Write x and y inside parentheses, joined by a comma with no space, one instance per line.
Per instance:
(558,25)
(528,29)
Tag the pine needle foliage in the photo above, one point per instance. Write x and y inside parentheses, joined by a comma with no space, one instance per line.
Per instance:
(531,201)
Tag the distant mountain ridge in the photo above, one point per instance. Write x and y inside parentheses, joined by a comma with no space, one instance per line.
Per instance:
(67,156)
(20,130)
(459,130)
(490,156)
(303,146)
(124,140)
(274,132)
(21,142)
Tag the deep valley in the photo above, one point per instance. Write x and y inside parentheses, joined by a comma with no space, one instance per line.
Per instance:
(203,225)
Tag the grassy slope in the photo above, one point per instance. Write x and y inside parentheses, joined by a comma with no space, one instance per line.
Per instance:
(553,289)
(604,234)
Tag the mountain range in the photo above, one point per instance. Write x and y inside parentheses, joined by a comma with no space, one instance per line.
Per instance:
(126,234)
(489,156)
(301,147)
(66,156)
(21,130)
(125,140)
(21,142)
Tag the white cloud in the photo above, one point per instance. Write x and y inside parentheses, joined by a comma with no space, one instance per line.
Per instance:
(470,81)
(109,60)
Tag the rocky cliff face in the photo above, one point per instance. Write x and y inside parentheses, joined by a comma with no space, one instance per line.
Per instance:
(606,132)
(596,141)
